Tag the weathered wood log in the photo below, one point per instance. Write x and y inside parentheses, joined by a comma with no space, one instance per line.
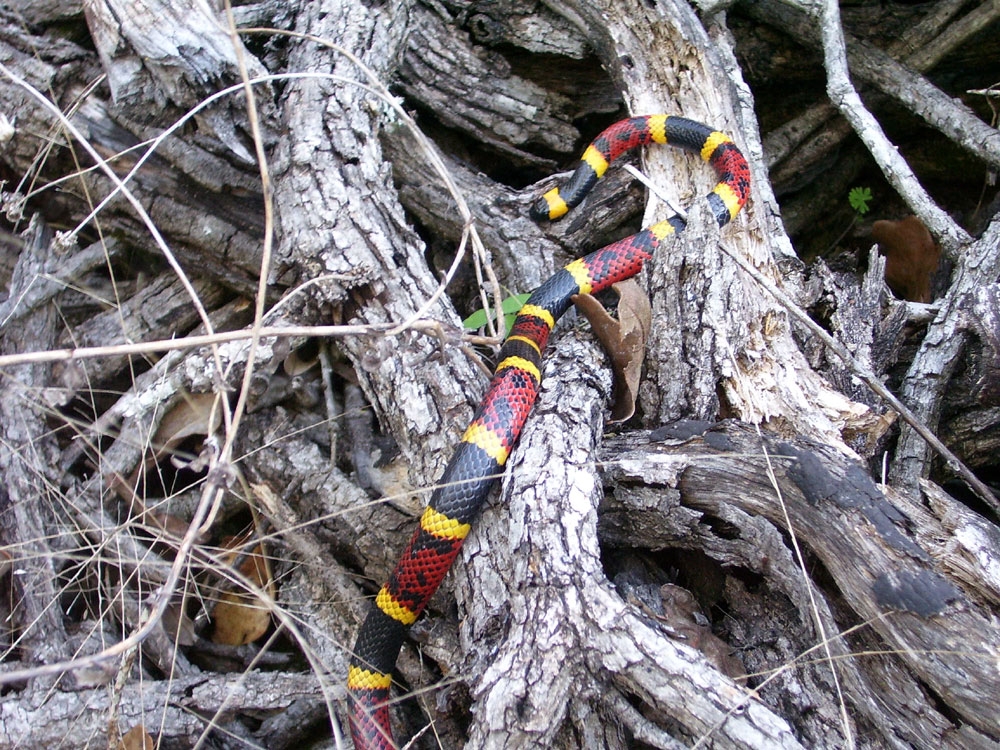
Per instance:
(878,548)
(76,718)
(29,512)
(176,183)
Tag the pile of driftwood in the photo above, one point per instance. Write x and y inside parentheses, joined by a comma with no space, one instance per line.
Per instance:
(237,248)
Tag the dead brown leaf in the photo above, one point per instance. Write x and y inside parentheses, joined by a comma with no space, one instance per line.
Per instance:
(623,338)
(911,255)
(192,415)
(241,617)
(137,739)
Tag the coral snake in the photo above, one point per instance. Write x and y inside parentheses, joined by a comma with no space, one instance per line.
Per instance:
(478,460)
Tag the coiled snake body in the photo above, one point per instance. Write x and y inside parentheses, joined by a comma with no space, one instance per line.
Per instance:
(478,460)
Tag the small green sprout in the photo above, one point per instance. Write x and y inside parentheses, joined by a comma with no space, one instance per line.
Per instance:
(858,198)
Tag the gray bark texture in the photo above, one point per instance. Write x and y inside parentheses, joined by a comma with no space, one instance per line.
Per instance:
(196,507)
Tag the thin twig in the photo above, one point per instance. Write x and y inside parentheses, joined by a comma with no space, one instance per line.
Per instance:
(219,337)
(655,190)
(845,721)
(232,425)
(775,674)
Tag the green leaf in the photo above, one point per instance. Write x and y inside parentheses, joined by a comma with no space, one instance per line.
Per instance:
(858,198)
(510,307)
(514,303)
(476,320)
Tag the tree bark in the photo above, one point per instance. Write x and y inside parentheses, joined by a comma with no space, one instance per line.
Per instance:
(761,558)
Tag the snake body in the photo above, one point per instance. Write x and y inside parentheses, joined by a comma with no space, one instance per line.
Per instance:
(480,456)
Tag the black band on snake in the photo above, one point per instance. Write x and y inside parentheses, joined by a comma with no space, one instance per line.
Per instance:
(480,456)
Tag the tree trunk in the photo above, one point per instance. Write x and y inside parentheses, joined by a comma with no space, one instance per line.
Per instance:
(768,555)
